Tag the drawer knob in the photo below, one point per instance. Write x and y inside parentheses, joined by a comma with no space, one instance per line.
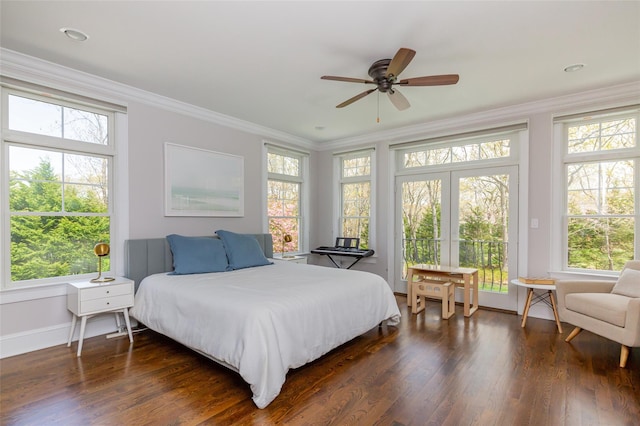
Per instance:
(107,291)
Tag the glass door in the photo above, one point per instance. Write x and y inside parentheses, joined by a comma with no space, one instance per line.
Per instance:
(464,218)
(484,204)
(424,221)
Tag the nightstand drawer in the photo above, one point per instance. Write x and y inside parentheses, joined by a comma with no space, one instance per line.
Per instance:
(107,303)
(100,292)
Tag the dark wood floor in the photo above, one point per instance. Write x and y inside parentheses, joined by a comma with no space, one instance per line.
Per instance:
(483,370)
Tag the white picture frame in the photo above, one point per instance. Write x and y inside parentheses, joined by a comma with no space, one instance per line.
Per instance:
(199,182)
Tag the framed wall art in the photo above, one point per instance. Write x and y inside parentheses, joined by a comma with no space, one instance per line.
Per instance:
(199,182)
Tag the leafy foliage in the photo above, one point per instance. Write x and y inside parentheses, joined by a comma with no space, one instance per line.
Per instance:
(47,240)
(356,208)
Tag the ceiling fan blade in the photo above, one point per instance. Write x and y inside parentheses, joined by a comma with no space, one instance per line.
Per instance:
(432,80)
(398,100)
(347,79)
(355,98)
(400,62)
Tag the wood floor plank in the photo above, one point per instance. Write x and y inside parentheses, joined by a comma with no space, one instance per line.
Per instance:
(480,370)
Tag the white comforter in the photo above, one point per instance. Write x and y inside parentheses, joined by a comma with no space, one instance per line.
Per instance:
(263,321)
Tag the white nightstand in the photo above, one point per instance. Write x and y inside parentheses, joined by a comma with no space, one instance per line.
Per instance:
(294,259)
(86,299)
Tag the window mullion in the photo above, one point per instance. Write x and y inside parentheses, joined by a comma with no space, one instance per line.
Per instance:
(40,141)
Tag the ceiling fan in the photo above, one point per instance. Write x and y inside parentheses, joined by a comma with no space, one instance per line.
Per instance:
(385,75)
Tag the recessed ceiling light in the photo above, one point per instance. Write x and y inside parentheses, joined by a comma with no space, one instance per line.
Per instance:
(74,34)
(574,68)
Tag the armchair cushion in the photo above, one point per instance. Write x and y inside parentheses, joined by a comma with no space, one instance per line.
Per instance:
(628,283)
(607,307)
(564,287)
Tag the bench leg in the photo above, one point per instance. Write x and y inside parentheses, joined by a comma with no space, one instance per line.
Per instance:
(445,302)
(448,301)
(410,297)
(419,304)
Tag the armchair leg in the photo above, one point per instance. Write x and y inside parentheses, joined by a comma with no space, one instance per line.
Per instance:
(624,354)
(573,334)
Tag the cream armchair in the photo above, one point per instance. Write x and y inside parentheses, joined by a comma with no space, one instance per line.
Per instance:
(608,308)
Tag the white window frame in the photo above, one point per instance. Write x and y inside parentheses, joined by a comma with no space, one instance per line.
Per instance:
(302,180)
(562,158)
(36,141)
(339,180)
(473,138)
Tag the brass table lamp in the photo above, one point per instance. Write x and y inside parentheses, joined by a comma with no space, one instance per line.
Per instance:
(286,239)
(101,250)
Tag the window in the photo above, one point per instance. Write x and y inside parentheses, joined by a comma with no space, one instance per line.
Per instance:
(457,154)
(286,194)
(478,149)
(356,171)
(600,203)
(57,187)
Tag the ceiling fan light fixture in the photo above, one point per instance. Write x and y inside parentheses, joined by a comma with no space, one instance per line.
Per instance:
(74,34)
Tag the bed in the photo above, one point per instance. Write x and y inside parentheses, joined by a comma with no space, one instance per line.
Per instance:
(260,321)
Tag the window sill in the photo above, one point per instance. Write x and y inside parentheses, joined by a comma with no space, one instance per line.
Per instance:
(38,291)
(570,275)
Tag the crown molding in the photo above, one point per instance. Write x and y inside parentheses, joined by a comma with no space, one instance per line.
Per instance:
(608,97)
(38,71)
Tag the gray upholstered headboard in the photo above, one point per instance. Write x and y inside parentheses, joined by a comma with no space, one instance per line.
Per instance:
(149,256)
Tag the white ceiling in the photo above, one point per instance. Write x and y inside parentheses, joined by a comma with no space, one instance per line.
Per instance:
(262,61)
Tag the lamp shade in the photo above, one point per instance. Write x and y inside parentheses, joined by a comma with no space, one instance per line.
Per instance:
(101,249)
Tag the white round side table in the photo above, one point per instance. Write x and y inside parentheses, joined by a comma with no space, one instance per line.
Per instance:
(532,298)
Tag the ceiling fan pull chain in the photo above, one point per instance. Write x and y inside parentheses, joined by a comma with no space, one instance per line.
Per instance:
(378,118)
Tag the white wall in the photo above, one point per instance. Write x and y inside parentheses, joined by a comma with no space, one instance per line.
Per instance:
(149,129)
(540,191)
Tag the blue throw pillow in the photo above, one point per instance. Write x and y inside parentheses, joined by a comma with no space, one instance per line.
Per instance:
(197,255)
(243,251)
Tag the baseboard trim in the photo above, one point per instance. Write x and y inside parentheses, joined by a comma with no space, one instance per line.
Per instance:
(46,337)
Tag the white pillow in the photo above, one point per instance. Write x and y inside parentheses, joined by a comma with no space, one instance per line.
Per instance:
(628,283)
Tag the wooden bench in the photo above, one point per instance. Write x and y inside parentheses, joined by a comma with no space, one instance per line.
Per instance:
(434,289)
